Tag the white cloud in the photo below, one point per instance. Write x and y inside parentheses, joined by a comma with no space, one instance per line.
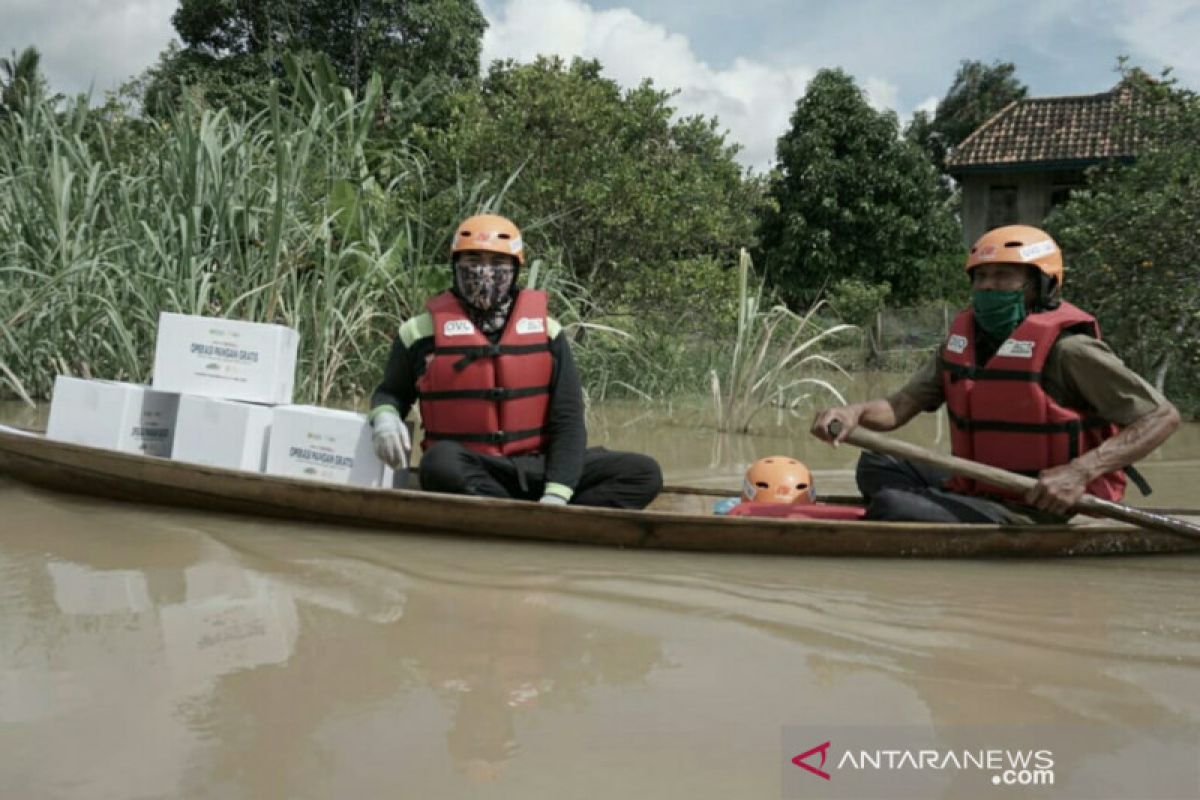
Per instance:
(752,98)
(928,105)
(1165,31)
(88,43)
(881,94)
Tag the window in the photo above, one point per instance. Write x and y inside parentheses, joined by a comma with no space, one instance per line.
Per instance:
(1002,206)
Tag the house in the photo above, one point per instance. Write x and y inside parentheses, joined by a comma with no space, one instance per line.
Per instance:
(1026,159)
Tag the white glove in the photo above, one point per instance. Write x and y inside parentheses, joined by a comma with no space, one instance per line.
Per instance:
(391,440)
(552,500)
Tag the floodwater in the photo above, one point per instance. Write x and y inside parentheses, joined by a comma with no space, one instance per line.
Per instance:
(152,653)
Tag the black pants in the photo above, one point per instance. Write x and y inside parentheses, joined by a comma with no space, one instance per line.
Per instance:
(609,479)
(903,491)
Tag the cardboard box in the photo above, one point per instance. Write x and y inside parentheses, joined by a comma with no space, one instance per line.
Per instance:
(226,359)
(222,433)
(112,415)
(324,444)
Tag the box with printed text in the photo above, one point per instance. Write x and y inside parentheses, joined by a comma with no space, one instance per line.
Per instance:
(112,415)
(226,359)
(324,444)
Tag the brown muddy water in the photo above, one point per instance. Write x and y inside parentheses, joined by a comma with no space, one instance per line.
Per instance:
(154,653)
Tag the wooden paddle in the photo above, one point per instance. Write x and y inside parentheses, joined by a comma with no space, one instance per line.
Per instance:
(1013,482)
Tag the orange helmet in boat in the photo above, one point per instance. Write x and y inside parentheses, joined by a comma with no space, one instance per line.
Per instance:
(1018,244)
(777,479)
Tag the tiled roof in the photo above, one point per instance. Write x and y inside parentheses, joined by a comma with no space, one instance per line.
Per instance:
(1077,130)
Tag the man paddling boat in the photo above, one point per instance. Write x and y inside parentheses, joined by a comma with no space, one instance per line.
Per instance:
(501,402)
(1029,387)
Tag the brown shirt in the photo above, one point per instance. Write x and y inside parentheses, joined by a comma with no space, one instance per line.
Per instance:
(1080,373)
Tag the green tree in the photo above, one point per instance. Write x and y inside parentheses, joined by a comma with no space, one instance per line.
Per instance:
(611,179)
(852,199)
(1131,238)
(20,79)
(233,42)
(979,90)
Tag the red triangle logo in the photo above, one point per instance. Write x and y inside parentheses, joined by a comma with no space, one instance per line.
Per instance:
(823,750)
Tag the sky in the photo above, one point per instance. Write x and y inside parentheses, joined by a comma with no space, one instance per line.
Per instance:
(744,61)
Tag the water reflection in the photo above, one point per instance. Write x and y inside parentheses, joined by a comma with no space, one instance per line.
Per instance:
(495,656)
(162,653)
(228,658)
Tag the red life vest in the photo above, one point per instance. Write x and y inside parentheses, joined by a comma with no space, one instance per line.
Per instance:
(1001,415)
(797,511)
(494,398)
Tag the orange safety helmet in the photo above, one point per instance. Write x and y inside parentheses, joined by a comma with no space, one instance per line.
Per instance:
(490,233)
(1018,244)
(777,479)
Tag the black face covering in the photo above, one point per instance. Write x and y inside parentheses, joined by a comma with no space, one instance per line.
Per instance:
(487,292)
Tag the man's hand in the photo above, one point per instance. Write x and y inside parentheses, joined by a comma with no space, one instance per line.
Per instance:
(391,440)
(1058,489)
(847,416)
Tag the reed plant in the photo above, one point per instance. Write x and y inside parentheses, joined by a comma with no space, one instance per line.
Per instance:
(773,354)
(293,215)
(311,212)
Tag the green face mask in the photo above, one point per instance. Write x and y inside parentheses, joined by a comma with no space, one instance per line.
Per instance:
(998,312)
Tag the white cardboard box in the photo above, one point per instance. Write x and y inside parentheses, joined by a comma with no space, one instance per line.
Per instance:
(112,415)
(224,358)
(222,433)
(324,444)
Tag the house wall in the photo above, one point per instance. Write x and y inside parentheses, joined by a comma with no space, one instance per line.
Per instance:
(991,199)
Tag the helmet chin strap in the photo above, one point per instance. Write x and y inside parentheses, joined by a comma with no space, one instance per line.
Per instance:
(1047,293)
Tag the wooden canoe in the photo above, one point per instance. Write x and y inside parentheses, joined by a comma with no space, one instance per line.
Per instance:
(680,519)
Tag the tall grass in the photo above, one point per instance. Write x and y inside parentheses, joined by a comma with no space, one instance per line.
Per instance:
(314,214)
(292,216)
(773,348)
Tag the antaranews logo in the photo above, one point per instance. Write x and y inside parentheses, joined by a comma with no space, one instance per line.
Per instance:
(1090,761)
(1016,767)
(799,760)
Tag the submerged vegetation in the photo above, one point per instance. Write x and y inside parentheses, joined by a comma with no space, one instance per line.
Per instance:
(770,347)
(301,214)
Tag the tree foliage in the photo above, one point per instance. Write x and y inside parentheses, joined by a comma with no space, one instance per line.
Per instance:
(610,178)
(851,199)
(232,43)
(1131,239)
(979,91)
(20,80)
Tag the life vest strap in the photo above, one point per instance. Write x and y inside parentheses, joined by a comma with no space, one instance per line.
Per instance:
(1138,480)
(495,394)
(472,353)
(1073,426)
(976,373)
(499,437)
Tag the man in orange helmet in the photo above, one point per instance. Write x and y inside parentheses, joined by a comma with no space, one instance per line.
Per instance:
(501,403)
(1028,386)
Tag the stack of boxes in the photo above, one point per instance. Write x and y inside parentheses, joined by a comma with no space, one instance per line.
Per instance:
(221,397)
